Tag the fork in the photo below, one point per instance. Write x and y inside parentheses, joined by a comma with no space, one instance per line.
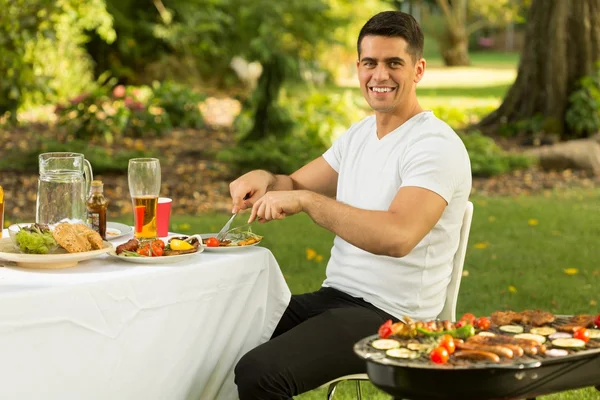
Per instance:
(225,228)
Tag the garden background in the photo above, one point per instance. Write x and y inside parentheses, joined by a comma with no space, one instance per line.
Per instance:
(215,88)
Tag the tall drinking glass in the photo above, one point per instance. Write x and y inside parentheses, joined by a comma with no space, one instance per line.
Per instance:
(144,186)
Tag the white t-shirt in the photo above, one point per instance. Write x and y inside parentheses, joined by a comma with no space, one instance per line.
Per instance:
(423,152)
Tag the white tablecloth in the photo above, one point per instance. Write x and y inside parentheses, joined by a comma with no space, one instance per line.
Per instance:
(107,329)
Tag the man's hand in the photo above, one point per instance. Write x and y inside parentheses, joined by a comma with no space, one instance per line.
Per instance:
(250,187)
(278,205)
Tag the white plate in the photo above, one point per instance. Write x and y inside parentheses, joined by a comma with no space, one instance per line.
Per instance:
(116,230)
(224,248)
(59,259)
(157,260)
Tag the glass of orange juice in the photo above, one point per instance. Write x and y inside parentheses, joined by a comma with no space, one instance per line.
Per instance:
(143,176)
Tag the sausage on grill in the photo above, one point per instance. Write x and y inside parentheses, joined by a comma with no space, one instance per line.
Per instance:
(476,355)
(502,351)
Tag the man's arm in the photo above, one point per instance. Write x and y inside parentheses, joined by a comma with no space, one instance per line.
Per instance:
(395,232)
(316,176)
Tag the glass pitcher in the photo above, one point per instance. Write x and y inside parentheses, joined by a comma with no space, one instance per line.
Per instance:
(63,187)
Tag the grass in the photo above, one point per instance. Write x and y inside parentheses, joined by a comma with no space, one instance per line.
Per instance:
(524,252)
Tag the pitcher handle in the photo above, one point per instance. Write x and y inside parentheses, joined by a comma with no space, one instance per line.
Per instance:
(89,177)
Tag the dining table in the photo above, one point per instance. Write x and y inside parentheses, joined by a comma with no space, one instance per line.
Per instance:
(109,329)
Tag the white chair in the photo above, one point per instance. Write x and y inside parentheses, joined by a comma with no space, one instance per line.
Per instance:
(449,310)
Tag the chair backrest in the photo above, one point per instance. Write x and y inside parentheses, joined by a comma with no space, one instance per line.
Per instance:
(449,310)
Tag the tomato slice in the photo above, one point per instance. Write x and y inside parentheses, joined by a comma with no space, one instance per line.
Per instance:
(212,242)
(468,318)
(582,334)
(447,342)
(483,323)
(385,329)
(439,355)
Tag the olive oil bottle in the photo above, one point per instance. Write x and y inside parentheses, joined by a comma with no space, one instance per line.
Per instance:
(96,209)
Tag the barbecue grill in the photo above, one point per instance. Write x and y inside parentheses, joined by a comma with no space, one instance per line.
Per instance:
(525,377)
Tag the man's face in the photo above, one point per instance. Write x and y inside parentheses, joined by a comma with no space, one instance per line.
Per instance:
(387,72)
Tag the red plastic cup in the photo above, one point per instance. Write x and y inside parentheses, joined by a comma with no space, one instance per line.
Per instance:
(163,216)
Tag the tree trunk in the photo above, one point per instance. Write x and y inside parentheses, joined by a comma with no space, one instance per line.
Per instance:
(454,47)
(562,44)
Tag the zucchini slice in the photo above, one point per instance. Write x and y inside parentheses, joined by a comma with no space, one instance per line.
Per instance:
(401,353)
(594,333)
(485,333)
(569,343)
(511,328)
(531,336)
(543,330)
(385,344)
(419,346)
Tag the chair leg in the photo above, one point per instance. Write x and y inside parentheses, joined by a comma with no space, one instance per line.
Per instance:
(331,390)
(358,393)
(333,386)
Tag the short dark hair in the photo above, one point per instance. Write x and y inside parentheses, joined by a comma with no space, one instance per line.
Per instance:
(395,24)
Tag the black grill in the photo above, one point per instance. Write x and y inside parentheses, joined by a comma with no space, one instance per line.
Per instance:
(525,377)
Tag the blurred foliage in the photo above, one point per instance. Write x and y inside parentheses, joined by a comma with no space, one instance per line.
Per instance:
(489,159)
(318,118)
(41,49)
(108,112)
(103,160)
(583,114)
(460,118)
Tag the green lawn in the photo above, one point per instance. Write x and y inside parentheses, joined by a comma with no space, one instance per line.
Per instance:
(521,251)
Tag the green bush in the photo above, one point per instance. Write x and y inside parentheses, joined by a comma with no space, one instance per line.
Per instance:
(103,160)
(317,119)
(107,114)
(459,118)
(180,103)
(489,159)
(41,49)
(583,114)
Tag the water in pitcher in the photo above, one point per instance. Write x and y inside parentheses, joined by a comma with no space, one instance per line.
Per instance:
(61,195)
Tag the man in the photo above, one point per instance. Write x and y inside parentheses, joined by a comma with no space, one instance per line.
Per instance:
(393,189)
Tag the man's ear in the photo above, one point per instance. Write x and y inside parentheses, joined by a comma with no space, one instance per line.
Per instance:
(419,69)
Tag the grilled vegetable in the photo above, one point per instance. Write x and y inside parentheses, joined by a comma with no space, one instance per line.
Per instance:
(594,333)
(462,333)
(557,353)
(439,355)
(597,321)
(544,331)
(560,335)
(582,334)
(385,344)
(569,343)
(402,353)
(385,329)
(511,328)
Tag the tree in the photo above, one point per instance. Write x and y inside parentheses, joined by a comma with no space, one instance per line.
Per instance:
(41,49)
(463,18)
(562,45)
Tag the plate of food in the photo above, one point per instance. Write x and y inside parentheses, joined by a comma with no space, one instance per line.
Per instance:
(63,245)
(116,230)
(172,250)
(236,239)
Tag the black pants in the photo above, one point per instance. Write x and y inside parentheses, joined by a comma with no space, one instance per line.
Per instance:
(311,345)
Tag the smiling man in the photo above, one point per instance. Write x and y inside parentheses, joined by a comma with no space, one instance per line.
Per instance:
(393,189)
